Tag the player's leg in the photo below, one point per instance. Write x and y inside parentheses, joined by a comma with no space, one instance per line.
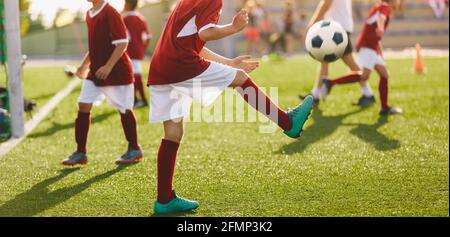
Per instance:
(89,94)
(138,84)
(367,93)
(169,107)
(323,75)
(139,88)
(383,89)
(167,200)
(291,122)
(122,97)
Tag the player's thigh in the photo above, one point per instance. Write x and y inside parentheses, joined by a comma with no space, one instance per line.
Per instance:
(121,97)
(88,96)
(167,103)
(349,60)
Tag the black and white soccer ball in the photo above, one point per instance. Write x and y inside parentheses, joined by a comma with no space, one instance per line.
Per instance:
(326,41)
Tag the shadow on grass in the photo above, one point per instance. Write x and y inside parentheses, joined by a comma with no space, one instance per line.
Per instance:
(56,127)
(38,198)
(371,135)
(44,97)
(323,127)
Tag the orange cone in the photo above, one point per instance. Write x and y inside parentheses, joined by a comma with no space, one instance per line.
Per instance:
(419,67)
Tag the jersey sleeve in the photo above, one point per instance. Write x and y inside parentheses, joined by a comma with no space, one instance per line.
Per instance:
(385,11)
(117,28)
(209,14)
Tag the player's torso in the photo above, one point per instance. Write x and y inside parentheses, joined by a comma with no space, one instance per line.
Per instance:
(341,12)
(368,37)
(176,56)
(98,34)
(101,48)
(136,32)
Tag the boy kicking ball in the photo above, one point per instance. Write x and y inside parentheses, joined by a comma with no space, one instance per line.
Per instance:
(110,75)
(370,56)
(181,65)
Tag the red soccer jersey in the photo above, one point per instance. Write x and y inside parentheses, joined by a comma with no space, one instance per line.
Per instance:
(368,38)
(176,57)
(138,34)
(106,29)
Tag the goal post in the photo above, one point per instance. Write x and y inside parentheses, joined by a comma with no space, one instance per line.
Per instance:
(14,58)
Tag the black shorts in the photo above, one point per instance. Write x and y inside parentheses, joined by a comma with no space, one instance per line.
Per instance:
(349,48)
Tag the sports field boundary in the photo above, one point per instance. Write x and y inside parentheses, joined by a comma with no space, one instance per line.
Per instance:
(41,115)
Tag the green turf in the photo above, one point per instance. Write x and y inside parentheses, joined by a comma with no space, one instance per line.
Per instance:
(40,84)
(349,162)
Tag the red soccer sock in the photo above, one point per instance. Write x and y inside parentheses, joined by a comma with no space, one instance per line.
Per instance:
(264,105)
(139,86)
(383,89)
(82,123)
(350,78)
(167,155)
(129,125)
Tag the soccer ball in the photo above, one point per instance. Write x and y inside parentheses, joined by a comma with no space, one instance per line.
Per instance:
(326,41)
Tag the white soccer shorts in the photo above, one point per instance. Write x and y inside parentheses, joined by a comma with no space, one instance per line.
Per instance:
(368,59)
(121,97)
(137,66)
(174,101)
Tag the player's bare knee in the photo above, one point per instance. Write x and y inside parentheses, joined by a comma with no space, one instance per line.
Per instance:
(173,131)
(84,107)
(240,78)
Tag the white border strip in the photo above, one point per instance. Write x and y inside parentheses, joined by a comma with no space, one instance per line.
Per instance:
(120,41)
(43,112)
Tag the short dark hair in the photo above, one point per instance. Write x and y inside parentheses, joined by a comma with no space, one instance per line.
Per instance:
(133,3)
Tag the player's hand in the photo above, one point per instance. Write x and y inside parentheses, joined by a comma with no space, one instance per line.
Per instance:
(240,20)
(242,62)
(380,32)
(103,72)
(82,72)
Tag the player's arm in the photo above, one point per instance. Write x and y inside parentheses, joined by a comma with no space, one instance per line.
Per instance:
(320,11)
(380,25)
(103,72)
(240,62)
(146,35)
(240,21)
(84,67)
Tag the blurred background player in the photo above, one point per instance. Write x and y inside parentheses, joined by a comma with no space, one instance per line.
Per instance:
(288,23)
(139,36)
(370,56)
(341,12)
(253,30)
(110,75)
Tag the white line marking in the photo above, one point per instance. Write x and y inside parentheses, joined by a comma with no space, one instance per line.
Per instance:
(32,124)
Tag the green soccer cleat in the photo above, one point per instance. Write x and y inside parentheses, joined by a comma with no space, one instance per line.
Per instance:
(299,116)
(177,205)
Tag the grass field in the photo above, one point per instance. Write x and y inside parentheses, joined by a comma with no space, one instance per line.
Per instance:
(40,84)
(349,162)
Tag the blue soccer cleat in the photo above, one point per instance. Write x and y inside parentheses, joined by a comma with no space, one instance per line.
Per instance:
(299,116)
(177,205)
(130,157)
(77,158)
